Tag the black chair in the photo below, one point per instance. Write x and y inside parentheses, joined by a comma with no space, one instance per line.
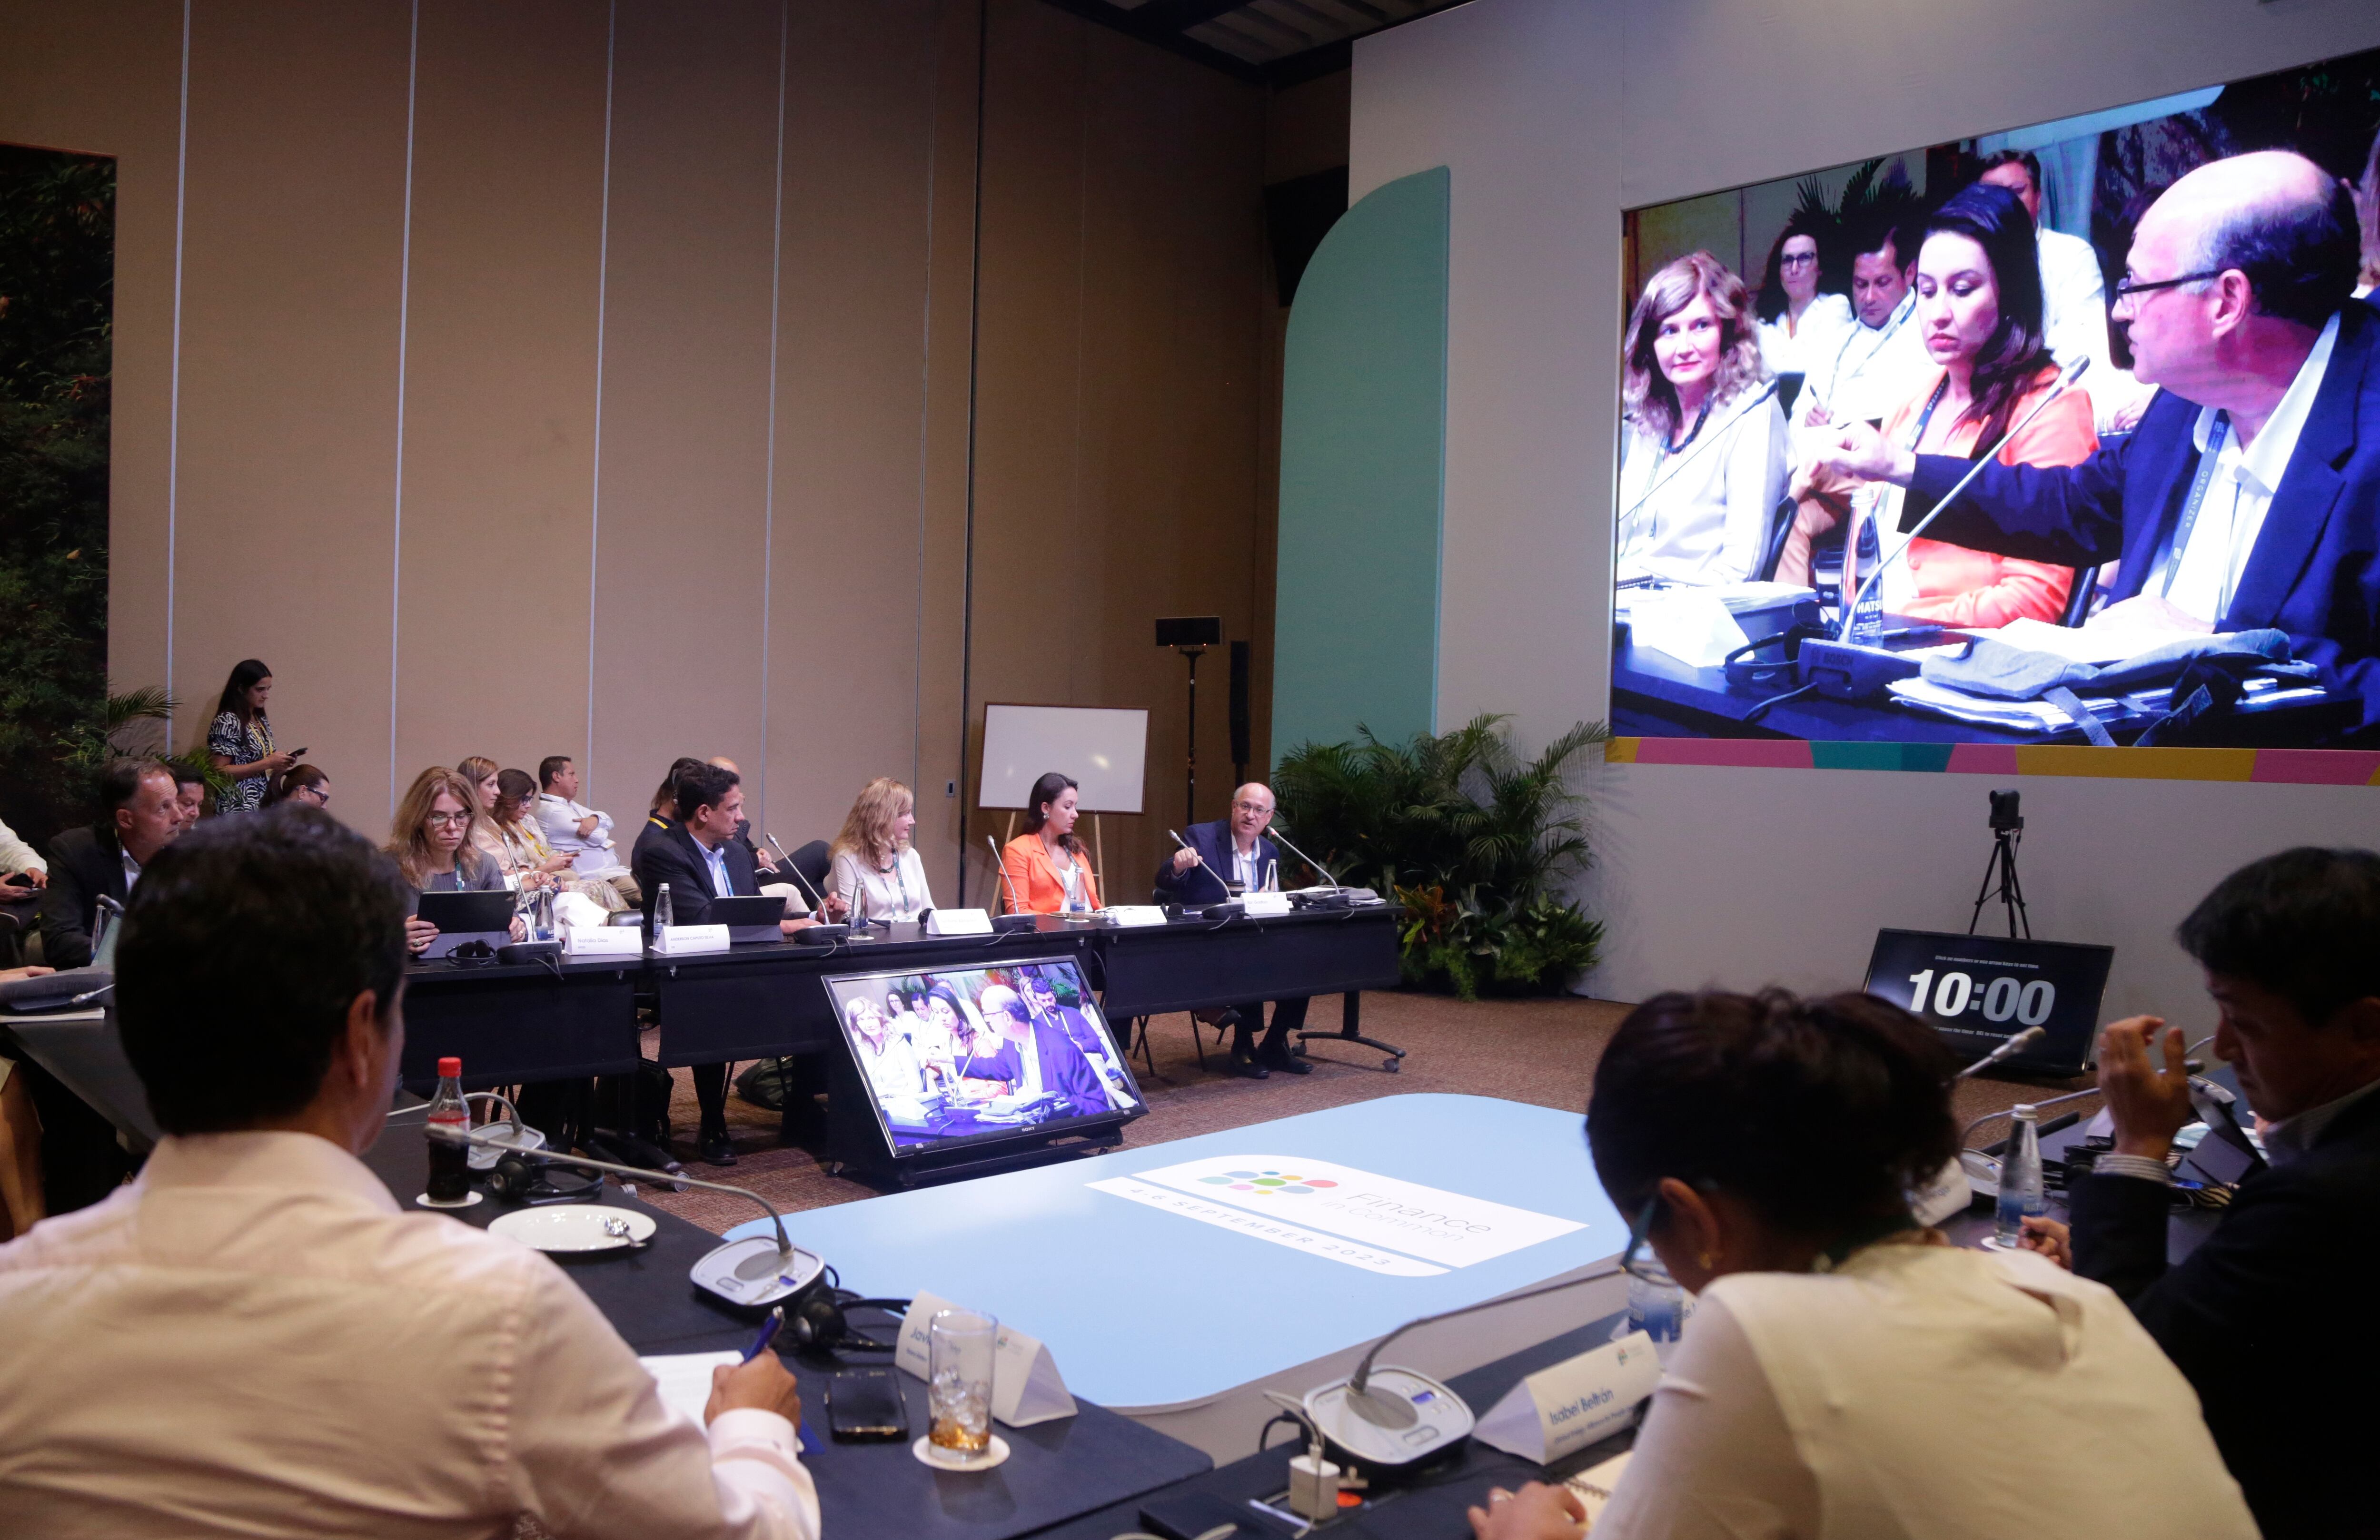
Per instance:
(814,862)
(1772,549)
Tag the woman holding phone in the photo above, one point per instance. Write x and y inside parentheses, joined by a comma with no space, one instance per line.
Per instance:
(240,741)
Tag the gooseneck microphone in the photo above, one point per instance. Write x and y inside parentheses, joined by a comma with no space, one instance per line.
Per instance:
(749,1272)
(1850,606)
(1274,830)
(2016,1043)
(818,900)
(1200,865)
(1016,904)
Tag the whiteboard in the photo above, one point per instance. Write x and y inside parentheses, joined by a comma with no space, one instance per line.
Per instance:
(1104,748)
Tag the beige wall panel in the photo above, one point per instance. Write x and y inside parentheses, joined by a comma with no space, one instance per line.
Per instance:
(1122,293)
(291,254)
(106,78)
(941,584)
(683,494)
(843,682)
(500,387)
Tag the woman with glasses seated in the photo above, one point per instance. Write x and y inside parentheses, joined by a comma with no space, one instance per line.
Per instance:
(1802,306)
(431,838)
(1847,1371)
(1979,312)
(306,785)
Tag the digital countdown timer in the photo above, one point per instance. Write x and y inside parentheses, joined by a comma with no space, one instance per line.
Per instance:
(1975,991)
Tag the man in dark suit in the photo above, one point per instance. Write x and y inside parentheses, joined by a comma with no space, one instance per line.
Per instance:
(1057,1067)
(137,814)
(700,859)
(2265,1317)
(1234,851)
(2249,496)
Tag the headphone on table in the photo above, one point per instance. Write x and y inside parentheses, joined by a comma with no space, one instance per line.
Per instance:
(817,1320)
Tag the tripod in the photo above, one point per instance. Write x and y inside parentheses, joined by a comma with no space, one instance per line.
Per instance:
(2012,892)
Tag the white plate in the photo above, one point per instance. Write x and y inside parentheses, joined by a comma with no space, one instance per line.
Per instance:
(994,1453)
(571,1227)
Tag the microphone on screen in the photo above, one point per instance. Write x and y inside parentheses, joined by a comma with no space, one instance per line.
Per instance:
(2014,1044)
(2065,382)
(1701,443)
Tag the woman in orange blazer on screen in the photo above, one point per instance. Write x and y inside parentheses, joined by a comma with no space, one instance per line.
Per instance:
(1979,310)
(1048,871)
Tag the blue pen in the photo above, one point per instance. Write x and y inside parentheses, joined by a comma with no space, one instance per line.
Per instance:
(768,1334)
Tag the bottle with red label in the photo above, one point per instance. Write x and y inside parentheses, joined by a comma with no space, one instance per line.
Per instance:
(449,1118)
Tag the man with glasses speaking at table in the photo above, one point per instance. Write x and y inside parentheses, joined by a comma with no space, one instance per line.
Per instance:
(2249,497)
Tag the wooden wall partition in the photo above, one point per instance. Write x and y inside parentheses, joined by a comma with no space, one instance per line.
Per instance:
(624,379)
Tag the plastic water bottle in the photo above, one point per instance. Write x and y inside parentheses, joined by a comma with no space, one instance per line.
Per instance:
(662,912)
(1657,1305)
(1865,625)
(450,1161)
(2020,1176)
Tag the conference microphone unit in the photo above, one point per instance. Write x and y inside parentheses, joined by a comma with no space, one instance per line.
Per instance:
(1386,1419)
(2015,1043)
(1340,896)
(1017,919)
(757,1271)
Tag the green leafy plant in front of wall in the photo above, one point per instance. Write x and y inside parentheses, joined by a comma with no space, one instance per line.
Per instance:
(1473,841)
(85,748)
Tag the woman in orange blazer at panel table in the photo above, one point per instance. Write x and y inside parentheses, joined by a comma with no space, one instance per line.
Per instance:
(1048,871)
(1979,311)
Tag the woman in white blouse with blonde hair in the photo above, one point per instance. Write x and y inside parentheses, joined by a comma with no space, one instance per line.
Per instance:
(877,873)
(1702,463)
(1847,1373)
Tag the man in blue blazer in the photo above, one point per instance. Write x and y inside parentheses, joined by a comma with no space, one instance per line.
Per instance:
(2250,494)
(1061,1070)
(1228,851)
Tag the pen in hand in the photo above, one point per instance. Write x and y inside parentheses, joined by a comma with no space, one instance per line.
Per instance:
(768,1334)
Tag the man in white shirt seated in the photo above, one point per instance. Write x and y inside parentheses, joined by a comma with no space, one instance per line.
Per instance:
(1863,372)
(20,865)
(576,831)
(253,1338)
(2073,298)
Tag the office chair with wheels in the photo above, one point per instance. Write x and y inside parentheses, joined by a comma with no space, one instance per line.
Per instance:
(813,862)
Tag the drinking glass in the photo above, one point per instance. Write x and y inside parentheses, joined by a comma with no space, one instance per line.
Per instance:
(958,1390)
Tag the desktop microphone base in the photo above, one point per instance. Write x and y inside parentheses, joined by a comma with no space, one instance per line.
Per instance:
(720,1271)
(1356,1435)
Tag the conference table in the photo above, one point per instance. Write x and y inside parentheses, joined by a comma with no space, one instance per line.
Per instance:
(867,1491)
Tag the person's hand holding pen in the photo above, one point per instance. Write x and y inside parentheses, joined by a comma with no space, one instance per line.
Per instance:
(761,1382)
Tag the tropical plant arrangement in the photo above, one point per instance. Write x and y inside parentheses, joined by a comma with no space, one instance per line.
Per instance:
(1473,842)
(85,748)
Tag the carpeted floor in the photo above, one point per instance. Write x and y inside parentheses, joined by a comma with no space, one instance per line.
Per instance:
(1538,1050)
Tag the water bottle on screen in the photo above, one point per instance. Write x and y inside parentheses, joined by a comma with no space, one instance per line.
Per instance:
(1864,624)
(1657,1306)
(662,911)
(450,1162)
(2020,1177)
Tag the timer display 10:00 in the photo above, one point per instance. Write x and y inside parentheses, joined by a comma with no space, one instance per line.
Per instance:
(2002,1000)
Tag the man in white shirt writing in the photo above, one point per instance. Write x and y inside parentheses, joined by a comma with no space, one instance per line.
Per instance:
(253,1337)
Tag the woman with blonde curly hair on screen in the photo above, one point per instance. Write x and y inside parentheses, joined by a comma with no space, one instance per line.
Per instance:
(1702,462)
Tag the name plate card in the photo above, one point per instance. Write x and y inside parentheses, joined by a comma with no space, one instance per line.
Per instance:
(1135,913)
(1025,1387)
(1579,1401)
(1261,905)
(602,941)
(685,941)
(958,922)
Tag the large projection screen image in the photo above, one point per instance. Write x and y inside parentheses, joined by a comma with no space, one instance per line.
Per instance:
(2069,435)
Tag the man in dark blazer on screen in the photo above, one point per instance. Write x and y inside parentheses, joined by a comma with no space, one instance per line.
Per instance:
(2266,1319)
(698,856)
(2249,496)
(1220,854)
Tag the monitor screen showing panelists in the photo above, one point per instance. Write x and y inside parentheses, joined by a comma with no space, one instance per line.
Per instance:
(955,1056)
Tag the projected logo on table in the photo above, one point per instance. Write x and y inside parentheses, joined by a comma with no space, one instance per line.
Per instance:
(1379,1223)
(1269,1183)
